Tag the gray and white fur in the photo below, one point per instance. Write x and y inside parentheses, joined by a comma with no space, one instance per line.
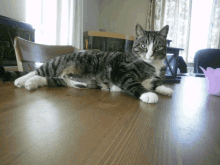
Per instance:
(139,73)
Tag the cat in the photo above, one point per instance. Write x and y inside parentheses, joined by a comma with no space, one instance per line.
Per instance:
(139,73)
(151,46)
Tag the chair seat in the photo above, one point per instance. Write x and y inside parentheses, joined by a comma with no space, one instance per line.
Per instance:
(206,58)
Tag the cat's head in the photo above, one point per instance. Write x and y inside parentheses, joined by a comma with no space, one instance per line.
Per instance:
(150,45)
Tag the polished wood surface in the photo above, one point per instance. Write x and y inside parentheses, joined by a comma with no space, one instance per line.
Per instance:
(74,126)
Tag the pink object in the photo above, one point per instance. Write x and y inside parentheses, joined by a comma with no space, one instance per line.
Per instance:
(212,77)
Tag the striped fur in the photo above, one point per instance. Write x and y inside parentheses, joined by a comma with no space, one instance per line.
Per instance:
(94,69)
(137,73)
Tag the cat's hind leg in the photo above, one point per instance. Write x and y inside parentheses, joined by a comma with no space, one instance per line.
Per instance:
(104,86)
(20,82)
(35,81)
(77,81)
(75,84)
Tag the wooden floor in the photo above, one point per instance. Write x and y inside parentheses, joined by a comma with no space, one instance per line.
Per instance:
(72,126)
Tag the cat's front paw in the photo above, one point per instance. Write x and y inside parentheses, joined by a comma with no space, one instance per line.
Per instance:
(164,90)
(149,97)
(105,87)
(115,88)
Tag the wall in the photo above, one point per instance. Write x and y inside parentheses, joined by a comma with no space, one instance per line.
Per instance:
(15,9)
(91,15)
(121,16)
(118,16)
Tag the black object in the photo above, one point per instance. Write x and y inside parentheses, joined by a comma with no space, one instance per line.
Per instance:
(172,65)
(206,58)
(182,65)
(2,74)
(199,75)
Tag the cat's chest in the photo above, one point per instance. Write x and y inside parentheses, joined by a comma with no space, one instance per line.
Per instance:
(158,64)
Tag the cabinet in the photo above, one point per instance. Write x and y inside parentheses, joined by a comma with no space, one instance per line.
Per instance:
(107,41)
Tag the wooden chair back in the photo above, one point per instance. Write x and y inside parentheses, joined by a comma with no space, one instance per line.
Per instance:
(28,53)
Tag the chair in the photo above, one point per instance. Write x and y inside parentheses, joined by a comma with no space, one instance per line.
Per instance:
(28,53)
(206,58)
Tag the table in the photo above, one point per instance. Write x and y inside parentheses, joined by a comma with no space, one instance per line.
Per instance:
(75,126)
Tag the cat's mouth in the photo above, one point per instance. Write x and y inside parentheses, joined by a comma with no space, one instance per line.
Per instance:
(147,56)
(151,57)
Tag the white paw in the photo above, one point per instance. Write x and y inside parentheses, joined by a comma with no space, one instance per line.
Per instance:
(149,97)
(35,82)
(164,90)
(20,82)
(105,89)
(30,85)
(115,88)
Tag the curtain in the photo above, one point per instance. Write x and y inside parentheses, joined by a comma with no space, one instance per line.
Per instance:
(176,14)
(150,16)
(57,22)
(214,30)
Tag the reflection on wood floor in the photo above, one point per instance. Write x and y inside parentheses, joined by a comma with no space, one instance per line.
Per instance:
(74,126)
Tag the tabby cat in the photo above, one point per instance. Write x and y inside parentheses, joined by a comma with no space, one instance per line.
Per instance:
(139,73)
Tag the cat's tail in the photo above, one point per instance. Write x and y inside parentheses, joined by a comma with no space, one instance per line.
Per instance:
(10,75)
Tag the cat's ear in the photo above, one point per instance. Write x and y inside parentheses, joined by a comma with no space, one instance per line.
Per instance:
(164,31)
(139,30)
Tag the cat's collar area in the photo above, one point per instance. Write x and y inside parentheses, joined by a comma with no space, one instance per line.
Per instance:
(148,61)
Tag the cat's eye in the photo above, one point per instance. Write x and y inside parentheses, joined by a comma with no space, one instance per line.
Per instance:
(144,46)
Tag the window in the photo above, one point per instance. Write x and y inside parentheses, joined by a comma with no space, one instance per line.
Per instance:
(200,21)
(42,16)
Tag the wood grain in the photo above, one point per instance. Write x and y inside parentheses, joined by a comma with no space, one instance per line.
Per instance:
(72,126)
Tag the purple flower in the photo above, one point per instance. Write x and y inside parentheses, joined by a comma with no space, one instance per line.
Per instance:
(212,77)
